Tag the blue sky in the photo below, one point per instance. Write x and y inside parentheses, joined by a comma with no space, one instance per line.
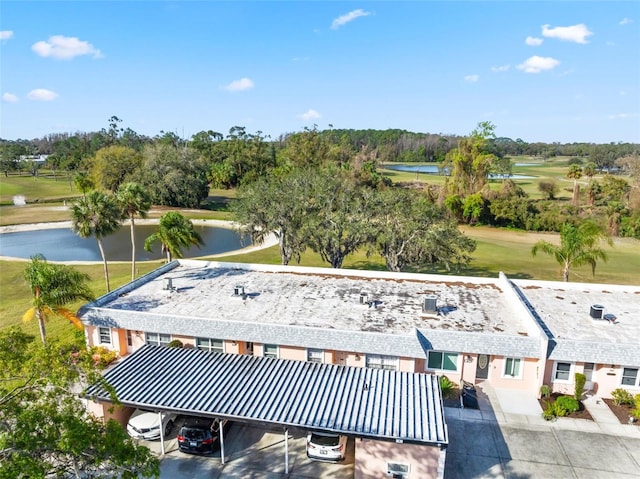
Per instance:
(540,71)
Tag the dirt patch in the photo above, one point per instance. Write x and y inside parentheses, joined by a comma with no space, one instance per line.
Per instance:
(622,412)
(581,413)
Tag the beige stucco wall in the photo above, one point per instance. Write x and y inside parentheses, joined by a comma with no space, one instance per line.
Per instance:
(371,459)
(292,352)
(407,364)
(528,380)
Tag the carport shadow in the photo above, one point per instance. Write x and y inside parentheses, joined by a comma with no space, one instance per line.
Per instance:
(477,446)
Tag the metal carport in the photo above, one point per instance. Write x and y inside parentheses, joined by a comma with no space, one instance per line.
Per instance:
(368,403)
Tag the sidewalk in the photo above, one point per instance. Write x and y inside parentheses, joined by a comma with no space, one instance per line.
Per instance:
(514,408)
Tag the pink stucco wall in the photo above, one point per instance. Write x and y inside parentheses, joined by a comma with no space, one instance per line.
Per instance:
(407,364)
(292,352)
(529,379)
(371,459)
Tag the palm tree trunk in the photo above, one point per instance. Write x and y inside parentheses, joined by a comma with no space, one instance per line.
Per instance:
(133,250)
(43,334)
(565,272)
(106,268)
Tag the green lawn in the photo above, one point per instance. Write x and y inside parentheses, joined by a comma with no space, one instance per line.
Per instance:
(35,188)
(15,295)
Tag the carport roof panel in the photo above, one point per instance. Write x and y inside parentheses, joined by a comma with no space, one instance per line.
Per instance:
(379,404)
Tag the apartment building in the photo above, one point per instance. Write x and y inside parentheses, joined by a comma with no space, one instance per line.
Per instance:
(515,334)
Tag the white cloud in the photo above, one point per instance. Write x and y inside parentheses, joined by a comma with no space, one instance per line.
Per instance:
(41,94)
(6,34)
(9,98)
(501,68)
(626,21)
(471,78)
(536,64)
(623,116)
(575,33)
(348,17)
(534,41)
(240,85)
(311,114)
(65,48)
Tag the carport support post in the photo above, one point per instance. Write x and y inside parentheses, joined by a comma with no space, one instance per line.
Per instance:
(286,451)
(161,433)
(221,443)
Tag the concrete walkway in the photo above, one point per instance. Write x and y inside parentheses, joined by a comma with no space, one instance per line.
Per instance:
(508,438)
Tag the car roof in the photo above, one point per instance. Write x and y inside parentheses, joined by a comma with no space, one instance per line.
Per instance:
(193,421)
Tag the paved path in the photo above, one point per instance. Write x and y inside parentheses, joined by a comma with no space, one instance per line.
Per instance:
(519,444)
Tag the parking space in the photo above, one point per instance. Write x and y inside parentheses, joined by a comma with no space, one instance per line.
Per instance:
(250,452)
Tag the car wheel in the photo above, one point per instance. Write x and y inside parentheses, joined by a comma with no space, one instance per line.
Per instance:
(168,428)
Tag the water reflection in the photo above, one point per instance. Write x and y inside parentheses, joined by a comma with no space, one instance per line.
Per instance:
(64,245)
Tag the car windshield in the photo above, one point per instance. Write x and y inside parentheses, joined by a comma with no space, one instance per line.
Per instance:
(194,434)
(322,440)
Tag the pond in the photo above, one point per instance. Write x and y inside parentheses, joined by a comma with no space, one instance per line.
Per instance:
(434,170)
(62,244)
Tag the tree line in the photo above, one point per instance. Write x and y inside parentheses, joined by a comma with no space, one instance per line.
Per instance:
(240,156)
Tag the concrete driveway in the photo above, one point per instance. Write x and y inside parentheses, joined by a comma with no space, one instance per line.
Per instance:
(484,449)
(252,452)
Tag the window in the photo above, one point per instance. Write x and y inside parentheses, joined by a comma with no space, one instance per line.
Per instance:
(377,361)
(105,335)
(630,377)
(129,338)
(210,344)
(397,470)
(270,351)
(562,372)
(157,339)
(512,368)
(315,355)
(442,360)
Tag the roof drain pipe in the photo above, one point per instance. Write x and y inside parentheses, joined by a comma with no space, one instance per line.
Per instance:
(221,429)
(286,451)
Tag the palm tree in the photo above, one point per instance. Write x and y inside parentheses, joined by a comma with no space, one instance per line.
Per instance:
(53,287)
(134,200)
(97,215)
(578,246)
(174,233)
(575,173)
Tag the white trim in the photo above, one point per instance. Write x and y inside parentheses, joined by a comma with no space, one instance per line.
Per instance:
(504,374)
(264,351)
(458,356)
(384,361)
(637,381)
(315,350)
(108,331)
(570,380)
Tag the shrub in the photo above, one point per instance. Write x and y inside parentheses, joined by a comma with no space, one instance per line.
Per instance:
(621,396)
(176,343)
(545,391)
(102,356)
(635,412)
(446,386)
(580,380)
(553,410)
(567,403)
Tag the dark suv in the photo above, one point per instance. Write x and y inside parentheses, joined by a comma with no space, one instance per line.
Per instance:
(201,435)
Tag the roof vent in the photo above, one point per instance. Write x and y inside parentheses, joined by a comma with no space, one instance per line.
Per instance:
(596,311)
(430,304)
(238,291)
(167,284)
(364,298)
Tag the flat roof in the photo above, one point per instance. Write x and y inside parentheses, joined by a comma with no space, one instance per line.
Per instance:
(565,309)
(324,298)
(378,404)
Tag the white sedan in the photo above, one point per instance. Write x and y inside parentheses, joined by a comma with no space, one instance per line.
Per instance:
(145,424)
